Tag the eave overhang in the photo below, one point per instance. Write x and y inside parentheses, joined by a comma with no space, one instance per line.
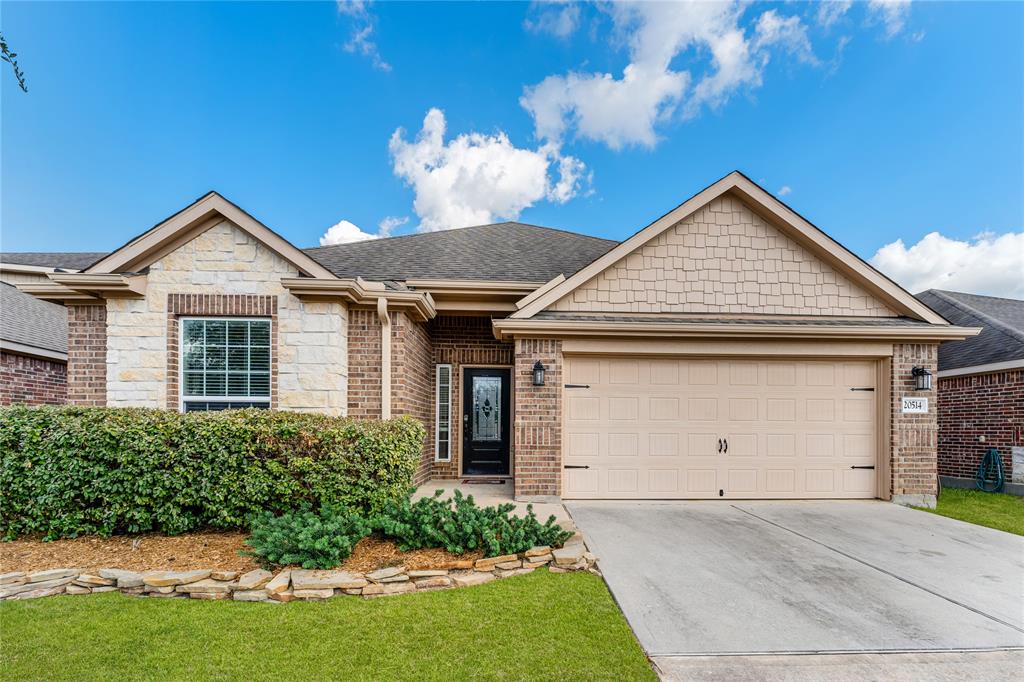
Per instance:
(102,285)
(473,296)
(359,292)
(508,328)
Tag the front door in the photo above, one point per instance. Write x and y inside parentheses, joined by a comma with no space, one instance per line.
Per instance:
(485,422)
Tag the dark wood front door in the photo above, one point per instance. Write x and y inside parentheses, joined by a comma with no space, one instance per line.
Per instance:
(485,421)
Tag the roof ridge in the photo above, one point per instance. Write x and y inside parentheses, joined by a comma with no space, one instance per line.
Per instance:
(998,324)
(465,227)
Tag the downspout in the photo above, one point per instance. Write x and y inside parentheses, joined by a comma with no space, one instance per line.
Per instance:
(385,358)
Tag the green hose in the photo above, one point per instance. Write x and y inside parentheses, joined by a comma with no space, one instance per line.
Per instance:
(991,466)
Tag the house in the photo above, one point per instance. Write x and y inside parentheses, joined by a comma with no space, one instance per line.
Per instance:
(980,386)
(730,349)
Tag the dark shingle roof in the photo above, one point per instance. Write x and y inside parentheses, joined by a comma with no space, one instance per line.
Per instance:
(28,320)
(1001,320)
(65,261)
(511,252)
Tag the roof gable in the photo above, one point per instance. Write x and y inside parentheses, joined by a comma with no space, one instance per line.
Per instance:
(195,219)
(1002,328)
(733,210)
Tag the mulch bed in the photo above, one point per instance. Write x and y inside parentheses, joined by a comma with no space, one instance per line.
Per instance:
(205,549)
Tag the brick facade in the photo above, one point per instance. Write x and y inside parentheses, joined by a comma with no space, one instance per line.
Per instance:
(989,405)
(217,305)
(913,463)
(363,364)
(32,381)
(462,341)
(87,354)
(412,381)
(538,420)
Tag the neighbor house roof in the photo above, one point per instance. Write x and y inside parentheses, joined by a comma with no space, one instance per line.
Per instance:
(75,260)
(1001,341)
(511,252)
(31,326)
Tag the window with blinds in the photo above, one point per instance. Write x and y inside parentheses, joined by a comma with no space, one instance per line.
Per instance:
(225,363)
(443,430)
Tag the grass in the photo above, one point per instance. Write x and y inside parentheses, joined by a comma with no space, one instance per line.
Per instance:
(537,626)
(994,510)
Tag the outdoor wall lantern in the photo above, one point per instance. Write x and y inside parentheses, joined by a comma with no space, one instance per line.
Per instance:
(923,378)
(538,373)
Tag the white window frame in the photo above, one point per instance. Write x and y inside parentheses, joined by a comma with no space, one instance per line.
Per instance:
(437,413)
(182,398)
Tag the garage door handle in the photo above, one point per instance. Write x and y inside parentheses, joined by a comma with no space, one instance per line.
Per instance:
(577,385)
(576,466)
(719,444)
(727,446)
(857,467)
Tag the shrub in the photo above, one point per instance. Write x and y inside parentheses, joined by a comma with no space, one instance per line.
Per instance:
(459,525)
(66,471)
(306,538)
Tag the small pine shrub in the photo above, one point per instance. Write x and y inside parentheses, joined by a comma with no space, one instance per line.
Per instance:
(306,538)
(459,525)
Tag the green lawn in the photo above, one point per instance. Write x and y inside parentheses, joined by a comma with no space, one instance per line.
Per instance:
(995,510)
(538,626)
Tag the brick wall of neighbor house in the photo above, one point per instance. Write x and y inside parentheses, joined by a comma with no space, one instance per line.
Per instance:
(412,381)
(914,460)
(463,341)
(87,354)
(32,381)
(723,259)
(989,405)
(312,360)
(364,364)
(538,420)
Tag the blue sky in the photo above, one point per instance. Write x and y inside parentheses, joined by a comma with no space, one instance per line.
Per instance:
(883,122)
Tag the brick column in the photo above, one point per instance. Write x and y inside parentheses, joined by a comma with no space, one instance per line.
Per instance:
(914,462)
(412,381)
(87,354)
(363,364)
(538,421)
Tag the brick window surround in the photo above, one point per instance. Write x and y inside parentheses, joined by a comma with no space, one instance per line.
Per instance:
(216,305)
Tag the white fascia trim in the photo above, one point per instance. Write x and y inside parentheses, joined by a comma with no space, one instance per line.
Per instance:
(33,351)
(982,369)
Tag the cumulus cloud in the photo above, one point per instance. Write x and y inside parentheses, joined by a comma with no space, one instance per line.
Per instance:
(786,189)
(364,23)
(625,110)
(386,226)
(477,178)
(988,264)
(560,18)
(891,13)
(344,232)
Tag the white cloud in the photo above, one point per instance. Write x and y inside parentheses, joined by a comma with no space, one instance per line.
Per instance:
(560,19)
(478,178)
(988,264)
(386,226)
(622,111)
(344,232)
(784,190)
(364,23)
(831,11)
(891,13)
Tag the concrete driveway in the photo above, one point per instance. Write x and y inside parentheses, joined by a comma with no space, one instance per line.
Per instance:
(797,577)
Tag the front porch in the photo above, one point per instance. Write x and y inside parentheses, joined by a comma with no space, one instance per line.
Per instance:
(488,494)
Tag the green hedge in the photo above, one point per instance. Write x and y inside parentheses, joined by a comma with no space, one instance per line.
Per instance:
(67,471)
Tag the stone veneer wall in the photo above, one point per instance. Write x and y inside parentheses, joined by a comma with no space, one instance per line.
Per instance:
(538,420)
(914,461)
(87,354)
(312,359)
(32,381)
(723,259)
(412,381)
(462,341)
(989,405)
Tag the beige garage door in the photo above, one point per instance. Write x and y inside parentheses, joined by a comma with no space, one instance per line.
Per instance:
(690,429)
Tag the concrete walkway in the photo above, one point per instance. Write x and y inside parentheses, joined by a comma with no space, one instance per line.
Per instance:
(805,577)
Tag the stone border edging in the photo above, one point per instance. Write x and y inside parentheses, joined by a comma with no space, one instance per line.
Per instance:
(293,584)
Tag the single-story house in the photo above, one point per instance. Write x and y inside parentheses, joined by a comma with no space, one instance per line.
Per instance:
(981,386)
(730,349)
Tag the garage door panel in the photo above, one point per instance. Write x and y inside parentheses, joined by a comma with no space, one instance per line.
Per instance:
(650,428)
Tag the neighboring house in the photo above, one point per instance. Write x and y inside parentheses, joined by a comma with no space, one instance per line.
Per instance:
(729,349)
(33,349)
(980,384)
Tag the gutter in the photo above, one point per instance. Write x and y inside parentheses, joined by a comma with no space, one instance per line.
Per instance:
(385,358)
